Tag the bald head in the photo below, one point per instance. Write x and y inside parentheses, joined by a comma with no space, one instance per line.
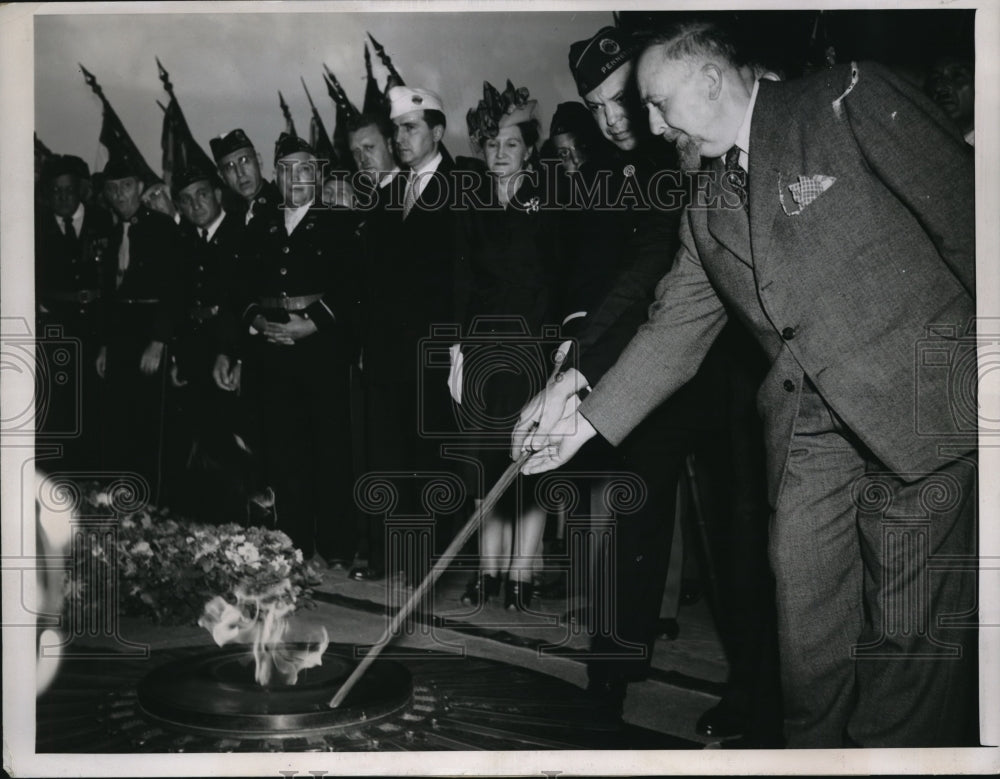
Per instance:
(695,91)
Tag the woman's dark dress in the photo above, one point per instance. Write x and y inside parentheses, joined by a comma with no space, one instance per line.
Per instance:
(512,263)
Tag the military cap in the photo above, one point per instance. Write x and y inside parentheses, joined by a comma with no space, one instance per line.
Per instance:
(593,60)
(402,100)
(571,117)
(290,144)
(229,142)
(120,168)
(192,174)
(65,165)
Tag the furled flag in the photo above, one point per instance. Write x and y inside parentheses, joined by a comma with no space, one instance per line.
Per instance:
(345,112)
(319,139)
(289,122)
(115,138)
(180,149)
(375,102)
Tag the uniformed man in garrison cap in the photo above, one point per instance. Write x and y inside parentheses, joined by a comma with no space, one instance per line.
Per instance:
(239,166)
(206,415)
(141,293)
(301,306)
(71,240)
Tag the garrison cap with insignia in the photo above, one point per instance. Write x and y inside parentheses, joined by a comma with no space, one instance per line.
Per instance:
(290,144)
(593,60)
(402,100)
(191,175)
(229,142)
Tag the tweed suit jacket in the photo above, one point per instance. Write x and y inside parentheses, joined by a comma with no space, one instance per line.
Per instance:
(842,286)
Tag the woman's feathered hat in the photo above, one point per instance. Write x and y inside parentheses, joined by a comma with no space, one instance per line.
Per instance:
(498,110)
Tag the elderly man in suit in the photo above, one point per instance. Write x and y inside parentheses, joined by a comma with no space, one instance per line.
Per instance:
(840,231)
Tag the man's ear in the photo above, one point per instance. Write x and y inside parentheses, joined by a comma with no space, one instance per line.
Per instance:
(437,133)
(218,195)
(713,77)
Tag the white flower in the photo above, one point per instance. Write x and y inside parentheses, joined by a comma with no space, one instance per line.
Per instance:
(533,205)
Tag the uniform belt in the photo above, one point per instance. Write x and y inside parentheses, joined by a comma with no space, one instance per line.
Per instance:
(203,313)
(80,296)
(290,304)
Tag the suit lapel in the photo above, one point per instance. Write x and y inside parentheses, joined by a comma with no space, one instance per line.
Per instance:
(769,127)
(727,225)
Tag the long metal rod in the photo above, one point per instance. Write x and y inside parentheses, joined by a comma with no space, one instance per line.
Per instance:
(445,560)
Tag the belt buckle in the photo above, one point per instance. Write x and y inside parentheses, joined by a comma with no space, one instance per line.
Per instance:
(283,298)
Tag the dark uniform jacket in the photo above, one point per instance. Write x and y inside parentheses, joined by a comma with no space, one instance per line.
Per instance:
(320,257)
(151,284)
(624,251)
(68,271)
(209,281)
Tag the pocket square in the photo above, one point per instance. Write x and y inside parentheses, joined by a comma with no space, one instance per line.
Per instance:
(806,190)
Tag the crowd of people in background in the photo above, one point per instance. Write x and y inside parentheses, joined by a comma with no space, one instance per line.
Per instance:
(252,349)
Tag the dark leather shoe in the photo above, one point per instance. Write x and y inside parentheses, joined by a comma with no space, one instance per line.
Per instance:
(720,722)
(363,573)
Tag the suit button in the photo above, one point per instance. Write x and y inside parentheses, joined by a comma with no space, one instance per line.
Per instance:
(197,302)
(201,268)
(789,385)
(283,271)
(788,333)
(285,250)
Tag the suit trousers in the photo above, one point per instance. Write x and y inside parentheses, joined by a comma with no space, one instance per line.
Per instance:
(871,594)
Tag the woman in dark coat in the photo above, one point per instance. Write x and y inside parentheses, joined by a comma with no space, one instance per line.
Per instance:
(508,245)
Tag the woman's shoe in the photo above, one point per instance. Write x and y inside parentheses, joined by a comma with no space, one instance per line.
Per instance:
(480,589)
(517,595)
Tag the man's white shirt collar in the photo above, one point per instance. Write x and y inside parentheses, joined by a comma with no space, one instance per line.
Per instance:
(210,230)
(386,180)
(77,220)
(295,215)
(423,173)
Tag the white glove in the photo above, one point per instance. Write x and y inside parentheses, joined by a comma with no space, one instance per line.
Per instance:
(455,372)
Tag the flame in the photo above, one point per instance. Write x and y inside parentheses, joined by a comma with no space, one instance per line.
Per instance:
(262,619)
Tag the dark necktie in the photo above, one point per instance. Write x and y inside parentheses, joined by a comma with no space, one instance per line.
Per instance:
(736,175)
(69,229)
(204,235)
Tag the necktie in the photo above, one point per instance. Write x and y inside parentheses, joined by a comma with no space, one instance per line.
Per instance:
(123,254)
(410,195)
(68,227)
(735,174)
(204,235)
